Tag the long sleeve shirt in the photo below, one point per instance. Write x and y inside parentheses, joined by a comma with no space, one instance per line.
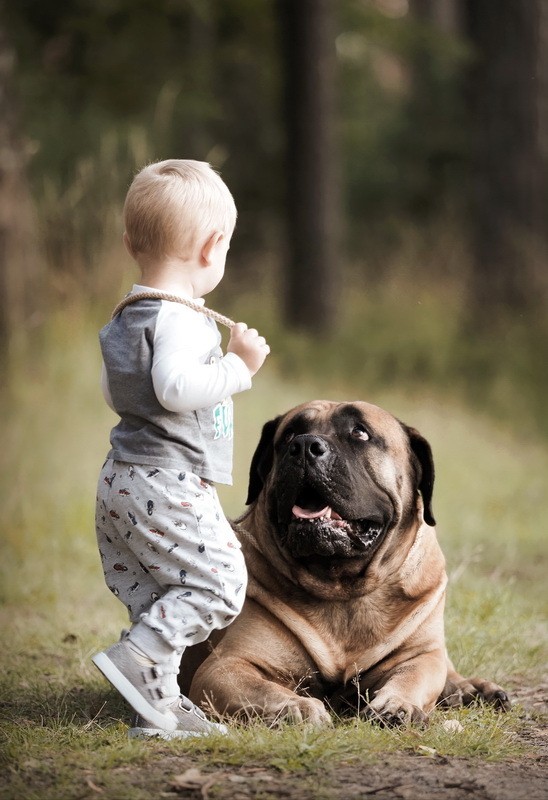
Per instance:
(165,375)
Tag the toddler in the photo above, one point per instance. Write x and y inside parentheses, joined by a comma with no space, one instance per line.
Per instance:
(167,550)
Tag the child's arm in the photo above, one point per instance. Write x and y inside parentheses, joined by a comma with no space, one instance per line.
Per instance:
(181,381)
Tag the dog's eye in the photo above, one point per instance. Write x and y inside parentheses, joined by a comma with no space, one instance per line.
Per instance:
(288,436)
(359,432)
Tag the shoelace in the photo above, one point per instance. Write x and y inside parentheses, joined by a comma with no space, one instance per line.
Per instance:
(167,689)
(167,670)
(187,705)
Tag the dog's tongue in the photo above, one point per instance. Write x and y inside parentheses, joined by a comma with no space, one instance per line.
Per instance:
(307,513)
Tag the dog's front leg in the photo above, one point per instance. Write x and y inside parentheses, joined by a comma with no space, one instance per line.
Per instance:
(233,686)
(460,691)
(404,693)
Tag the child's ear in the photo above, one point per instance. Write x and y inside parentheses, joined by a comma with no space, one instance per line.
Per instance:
(206,253)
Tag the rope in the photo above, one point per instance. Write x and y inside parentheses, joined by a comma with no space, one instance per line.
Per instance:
(157,295)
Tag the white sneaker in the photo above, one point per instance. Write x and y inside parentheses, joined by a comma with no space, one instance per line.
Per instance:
(150,688)
(192,722)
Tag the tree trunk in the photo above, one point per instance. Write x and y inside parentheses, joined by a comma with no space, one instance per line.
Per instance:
(20,264)
(312,274)
(509,182)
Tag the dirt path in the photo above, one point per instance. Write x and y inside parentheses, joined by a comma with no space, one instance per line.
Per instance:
(394,778)
(397,777)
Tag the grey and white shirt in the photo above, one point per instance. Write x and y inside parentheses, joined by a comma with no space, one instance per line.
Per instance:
(165,375)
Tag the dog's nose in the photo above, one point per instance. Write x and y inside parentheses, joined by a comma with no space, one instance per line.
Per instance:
(308,446)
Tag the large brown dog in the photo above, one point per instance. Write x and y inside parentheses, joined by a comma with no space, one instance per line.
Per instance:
(346,593)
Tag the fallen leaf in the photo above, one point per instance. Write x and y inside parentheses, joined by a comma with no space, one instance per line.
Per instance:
(191,779)
(194,779)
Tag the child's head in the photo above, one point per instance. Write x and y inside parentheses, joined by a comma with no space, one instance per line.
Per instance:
(172,207)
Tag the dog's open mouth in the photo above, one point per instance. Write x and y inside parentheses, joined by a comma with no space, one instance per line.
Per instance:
(309,505)
(316,528)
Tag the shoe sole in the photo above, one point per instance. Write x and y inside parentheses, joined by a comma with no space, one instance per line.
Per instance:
(166,722)
(156,733)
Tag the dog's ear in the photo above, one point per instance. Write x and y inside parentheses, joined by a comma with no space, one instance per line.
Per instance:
(423,453)
(261,463)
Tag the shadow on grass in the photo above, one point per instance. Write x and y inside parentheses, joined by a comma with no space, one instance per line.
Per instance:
(54,707)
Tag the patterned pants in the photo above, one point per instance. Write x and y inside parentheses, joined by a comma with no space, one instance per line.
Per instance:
(168,552)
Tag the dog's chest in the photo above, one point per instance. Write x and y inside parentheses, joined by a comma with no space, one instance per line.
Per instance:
(344,634)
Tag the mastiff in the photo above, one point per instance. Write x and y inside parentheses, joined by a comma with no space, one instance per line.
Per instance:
(345,602)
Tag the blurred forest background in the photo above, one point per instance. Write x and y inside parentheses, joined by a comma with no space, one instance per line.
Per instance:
(388,159)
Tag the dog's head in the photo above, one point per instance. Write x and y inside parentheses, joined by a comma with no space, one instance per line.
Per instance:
(336,479)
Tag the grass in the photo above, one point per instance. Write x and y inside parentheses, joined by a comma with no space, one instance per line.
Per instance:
(64,731)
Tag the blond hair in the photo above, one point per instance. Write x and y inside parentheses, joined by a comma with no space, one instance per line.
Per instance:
(172,205)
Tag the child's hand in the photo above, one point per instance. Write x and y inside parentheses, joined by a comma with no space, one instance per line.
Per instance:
(249,346)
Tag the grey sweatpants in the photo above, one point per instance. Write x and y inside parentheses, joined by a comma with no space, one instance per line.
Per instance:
(168,552)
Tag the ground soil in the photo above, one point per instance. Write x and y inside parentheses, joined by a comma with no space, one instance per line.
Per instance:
(396,777)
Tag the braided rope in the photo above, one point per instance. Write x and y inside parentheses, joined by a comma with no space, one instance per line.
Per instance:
(157,295)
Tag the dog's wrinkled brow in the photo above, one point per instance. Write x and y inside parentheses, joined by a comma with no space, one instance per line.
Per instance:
(349,412)
(301,422)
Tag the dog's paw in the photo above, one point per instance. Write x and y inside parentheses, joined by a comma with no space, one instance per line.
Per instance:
(301,709)
(467,691)
(393,712)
